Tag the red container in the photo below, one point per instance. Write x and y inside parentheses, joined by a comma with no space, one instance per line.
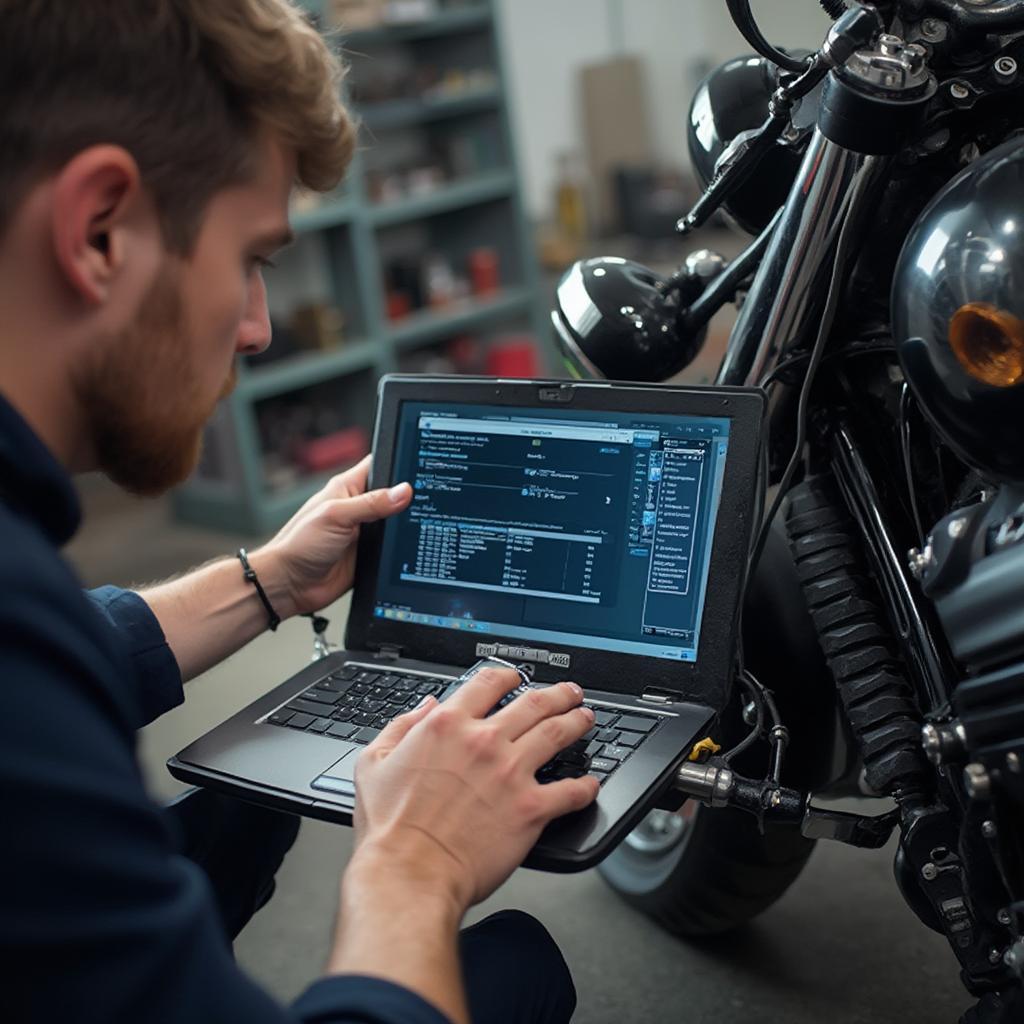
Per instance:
(514,357)
(484,275)
(342,448)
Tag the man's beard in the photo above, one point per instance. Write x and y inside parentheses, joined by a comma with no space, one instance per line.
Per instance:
(142,397)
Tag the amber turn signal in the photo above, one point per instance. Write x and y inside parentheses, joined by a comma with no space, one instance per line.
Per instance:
(989,343)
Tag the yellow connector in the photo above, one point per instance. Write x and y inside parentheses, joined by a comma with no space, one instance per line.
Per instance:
(703,750)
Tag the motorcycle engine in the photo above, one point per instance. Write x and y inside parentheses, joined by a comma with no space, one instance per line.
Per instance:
(958,321)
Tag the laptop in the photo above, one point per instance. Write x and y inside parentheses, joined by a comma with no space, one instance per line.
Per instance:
(590,531)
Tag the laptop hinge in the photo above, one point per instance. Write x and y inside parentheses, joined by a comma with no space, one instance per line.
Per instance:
(388,652)
(661,696)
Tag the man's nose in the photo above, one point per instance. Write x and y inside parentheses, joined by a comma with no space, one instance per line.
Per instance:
(254,333)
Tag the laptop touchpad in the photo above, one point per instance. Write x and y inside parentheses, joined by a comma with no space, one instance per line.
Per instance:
(340,777)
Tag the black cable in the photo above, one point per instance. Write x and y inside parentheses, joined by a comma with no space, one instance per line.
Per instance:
(844,353)
(755,732)
(743,19)
(817,351)
(778,736)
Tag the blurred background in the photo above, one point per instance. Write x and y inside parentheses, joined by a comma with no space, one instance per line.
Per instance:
(500,141)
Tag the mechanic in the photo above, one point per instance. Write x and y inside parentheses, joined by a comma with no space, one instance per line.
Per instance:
(148,151)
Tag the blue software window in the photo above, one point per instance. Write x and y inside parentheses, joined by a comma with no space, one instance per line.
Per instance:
(555,528)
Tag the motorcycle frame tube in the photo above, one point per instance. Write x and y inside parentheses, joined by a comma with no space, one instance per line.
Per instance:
(724,287)
(916,633)
(789,287)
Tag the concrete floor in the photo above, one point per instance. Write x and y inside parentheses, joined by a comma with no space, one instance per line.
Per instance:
(841,946)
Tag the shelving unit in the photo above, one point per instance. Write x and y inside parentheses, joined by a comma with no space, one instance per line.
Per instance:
(346,242)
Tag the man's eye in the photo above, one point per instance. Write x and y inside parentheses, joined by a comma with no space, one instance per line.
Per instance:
(262,263)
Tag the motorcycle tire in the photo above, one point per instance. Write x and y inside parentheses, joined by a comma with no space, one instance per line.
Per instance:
(704,871)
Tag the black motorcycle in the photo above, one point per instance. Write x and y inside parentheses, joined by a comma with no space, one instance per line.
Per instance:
(882,309)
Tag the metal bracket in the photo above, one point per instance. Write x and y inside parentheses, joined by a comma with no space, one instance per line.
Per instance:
(717,785)
(864,832)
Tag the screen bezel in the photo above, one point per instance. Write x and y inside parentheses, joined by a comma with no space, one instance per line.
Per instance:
(707,680)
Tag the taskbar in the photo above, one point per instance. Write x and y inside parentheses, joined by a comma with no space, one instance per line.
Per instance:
(646,649)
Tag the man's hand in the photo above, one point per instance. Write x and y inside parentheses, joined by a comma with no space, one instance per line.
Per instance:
(447,807)
(313,557)
(212,612)
(448,797)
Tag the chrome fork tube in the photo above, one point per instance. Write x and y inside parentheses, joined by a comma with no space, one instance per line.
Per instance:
(789,287)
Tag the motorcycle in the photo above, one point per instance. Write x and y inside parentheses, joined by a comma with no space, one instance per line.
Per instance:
(881,307)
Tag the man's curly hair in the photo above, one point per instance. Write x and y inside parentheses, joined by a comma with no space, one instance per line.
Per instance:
(185,86)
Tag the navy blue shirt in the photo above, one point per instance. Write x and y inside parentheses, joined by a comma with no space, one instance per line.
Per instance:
(101,918)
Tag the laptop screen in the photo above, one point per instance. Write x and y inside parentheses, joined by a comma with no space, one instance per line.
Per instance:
(555,527)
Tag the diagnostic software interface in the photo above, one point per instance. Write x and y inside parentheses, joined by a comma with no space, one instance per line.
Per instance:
(555,527)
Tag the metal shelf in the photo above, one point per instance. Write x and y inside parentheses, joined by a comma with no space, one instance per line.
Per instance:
(466,19)
(402,113)
(454,196)
(355,239)
(429,325)
(330,214)
(299,371)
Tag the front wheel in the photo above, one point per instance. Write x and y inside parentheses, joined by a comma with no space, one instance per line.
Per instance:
(704,871)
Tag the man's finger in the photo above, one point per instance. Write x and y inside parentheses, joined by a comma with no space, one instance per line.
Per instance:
(478,694)
(568,795)
(397,728)
(548,737)
(351,482)
(374,505)
(528,709)
(344,485)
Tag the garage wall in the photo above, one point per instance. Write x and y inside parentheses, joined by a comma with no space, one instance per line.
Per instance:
(548,41)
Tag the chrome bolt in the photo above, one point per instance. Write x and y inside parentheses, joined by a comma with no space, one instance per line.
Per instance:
(988,829)
(943,741)
(957,526)
(932,743)
(919,560)
(915,55)
(929,872)
(1005,68)
(889,44)
(1013,762)
(959,91)
(704,265)
(933,30)
(1010,530)
(1003,917)
(977,782)
(995,955)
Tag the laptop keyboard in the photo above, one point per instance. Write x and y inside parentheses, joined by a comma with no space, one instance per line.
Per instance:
(355,703)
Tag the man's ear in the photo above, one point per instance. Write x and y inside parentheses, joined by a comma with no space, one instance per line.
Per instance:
(95,194)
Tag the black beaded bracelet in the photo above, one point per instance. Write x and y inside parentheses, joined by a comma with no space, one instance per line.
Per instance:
(250,575)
